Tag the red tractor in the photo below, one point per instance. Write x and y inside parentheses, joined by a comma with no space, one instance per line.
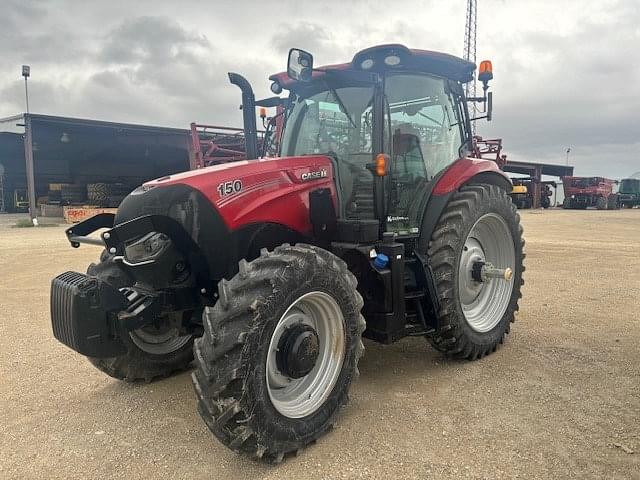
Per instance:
(374,220)
(583,192)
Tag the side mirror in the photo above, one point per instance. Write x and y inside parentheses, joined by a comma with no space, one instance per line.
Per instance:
(489,106)
(300,65)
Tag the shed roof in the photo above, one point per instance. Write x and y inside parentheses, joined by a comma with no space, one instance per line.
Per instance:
(79,122)
(529,168)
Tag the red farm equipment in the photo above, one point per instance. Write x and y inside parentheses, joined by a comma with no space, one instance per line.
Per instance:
(212,145)
(377,216)
(583,192)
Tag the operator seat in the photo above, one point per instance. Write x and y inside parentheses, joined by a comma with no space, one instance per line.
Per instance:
(410,174)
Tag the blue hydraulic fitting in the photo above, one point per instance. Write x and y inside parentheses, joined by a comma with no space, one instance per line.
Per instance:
(381,261)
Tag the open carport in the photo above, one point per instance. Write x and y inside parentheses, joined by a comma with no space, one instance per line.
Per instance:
(535,171)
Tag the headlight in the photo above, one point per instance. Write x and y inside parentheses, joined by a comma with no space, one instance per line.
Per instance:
(392,60)
(147,249)
(367,64)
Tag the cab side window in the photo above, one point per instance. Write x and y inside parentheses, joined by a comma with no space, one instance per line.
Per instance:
(419,106)
(423,135)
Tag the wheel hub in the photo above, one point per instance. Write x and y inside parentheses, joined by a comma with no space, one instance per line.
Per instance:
(306,352)
(472,255)
(485,273)
(298,351)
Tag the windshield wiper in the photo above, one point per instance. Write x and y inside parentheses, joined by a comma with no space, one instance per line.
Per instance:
(342,107)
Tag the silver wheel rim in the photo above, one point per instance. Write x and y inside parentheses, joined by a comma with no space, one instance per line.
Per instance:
(159,341)
(300,397)
(484,303)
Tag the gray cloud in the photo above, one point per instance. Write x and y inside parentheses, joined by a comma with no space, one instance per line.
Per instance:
(150,40)
(305,35)
(565,75)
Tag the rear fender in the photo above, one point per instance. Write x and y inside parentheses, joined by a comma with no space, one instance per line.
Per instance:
(471,170)
(465,171)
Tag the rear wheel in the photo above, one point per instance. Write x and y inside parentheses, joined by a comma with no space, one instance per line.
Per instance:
(602,203)
(153,351)
(477,257)
(279,351)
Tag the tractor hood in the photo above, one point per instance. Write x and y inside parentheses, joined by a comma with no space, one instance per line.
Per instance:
(274,190)
(222,208)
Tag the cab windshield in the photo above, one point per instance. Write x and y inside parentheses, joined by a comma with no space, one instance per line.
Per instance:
(330,119)
(336,120)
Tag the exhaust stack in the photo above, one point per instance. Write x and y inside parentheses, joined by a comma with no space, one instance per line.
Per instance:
(248,114)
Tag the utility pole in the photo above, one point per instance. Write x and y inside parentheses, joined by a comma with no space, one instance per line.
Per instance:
(28,150)
(568,152)
(26,73)
(469,54)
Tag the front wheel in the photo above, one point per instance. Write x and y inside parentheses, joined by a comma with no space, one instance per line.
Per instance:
(476,254)
(279,351)
(153,351)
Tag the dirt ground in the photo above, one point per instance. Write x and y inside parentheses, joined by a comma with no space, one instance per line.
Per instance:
(561,399)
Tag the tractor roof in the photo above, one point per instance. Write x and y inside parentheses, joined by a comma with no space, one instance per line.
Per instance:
(437,63)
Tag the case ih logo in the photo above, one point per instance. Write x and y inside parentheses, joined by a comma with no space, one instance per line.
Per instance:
(314,175)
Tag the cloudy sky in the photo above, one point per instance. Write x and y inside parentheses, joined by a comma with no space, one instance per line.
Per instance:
(567,72)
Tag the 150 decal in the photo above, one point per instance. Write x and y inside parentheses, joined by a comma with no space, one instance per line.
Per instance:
(229,188)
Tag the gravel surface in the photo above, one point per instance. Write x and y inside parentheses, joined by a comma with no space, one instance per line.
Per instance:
(560,399)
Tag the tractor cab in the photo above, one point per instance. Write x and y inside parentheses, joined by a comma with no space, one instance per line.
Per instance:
(392,120)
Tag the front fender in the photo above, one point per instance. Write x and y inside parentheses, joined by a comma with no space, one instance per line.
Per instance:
(193,221)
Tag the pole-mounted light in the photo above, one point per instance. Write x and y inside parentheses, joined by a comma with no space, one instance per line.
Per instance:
(26,73)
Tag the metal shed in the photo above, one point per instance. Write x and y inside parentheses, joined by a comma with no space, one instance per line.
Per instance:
(37,151)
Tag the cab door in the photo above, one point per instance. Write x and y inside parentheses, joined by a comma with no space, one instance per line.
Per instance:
(423,135)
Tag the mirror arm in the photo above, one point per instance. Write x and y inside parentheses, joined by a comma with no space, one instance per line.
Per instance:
(270,102)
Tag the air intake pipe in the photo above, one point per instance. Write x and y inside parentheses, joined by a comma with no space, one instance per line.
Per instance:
(248,114)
